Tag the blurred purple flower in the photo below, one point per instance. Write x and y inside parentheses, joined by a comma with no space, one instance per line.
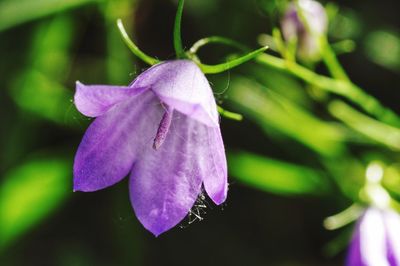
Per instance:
(163,129)
(376,239)
(306,21)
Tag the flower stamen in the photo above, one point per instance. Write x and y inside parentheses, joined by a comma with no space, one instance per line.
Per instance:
(163,128)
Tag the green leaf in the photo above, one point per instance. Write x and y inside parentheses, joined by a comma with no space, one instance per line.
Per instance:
(29,193)
(275,176)
(13,13)
(118,60)
(275,113)
(40,87)
(367,126)
(37,93)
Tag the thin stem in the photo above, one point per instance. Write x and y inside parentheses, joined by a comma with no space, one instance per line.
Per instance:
(180,53)
(216,39)
(343,218)
(132,46)
(229,115)
(343,88)
(279,42)
(214,69)
(331,61)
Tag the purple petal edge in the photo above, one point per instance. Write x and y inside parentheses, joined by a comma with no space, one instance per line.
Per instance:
(96,100)
(214,165)
(108,150)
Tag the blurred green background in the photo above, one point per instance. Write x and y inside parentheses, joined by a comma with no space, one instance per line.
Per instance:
(293,160)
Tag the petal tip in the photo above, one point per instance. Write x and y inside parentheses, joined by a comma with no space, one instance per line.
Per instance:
(156,229)
(79,187)
(217,191)
(220,197)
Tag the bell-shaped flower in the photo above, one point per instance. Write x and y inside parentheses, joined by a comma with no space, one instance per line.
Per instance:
(305,21)
(376,239)
(163,131)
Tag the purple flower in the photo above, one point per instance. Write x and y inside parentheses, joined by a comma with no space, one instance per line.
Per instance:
(163,130)
(376,239)
(306,22)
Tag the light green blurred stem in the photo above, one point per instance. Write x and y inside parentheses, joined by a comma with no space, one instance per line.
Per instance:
(343,218)
(274,113)
(229,115)
(331,61)
(365,125)
(340,87)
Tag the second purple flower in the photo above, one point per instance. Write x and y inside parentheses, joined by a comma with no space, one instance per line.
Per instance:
(376,239)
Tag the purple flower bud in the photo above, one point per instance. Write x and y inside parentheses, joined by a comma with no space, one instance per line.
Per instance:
(376,239)
(164,131)
(306,22)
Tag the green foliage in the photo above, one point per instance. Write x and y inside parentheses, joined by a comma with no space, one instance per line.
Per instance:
(383,48)
(30,192)
(273,112)
(43,79)
(275,176)
(13,13)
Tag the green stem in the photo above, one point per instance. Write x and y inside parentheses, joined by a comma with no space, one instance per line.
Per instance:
(214,69)
(340,87)
(229,115)
(216,39)
(132,46)
(331,61)
(343,218)
(365,125)
(180,53)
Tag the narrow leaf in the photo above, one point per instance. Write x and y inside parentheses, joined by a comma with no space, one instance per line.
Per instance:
(13,13)
(275,176)
(29,193)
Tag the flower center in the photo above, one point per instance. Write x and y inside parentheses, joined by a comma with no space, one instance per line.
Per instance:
(163,128)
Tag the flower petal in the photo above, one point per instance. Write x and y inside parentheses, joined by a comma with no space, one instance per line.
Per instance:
(166,182)
(392,222)
(213,162)
(95,100)
(181,85)
(114,141)
(369,242)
